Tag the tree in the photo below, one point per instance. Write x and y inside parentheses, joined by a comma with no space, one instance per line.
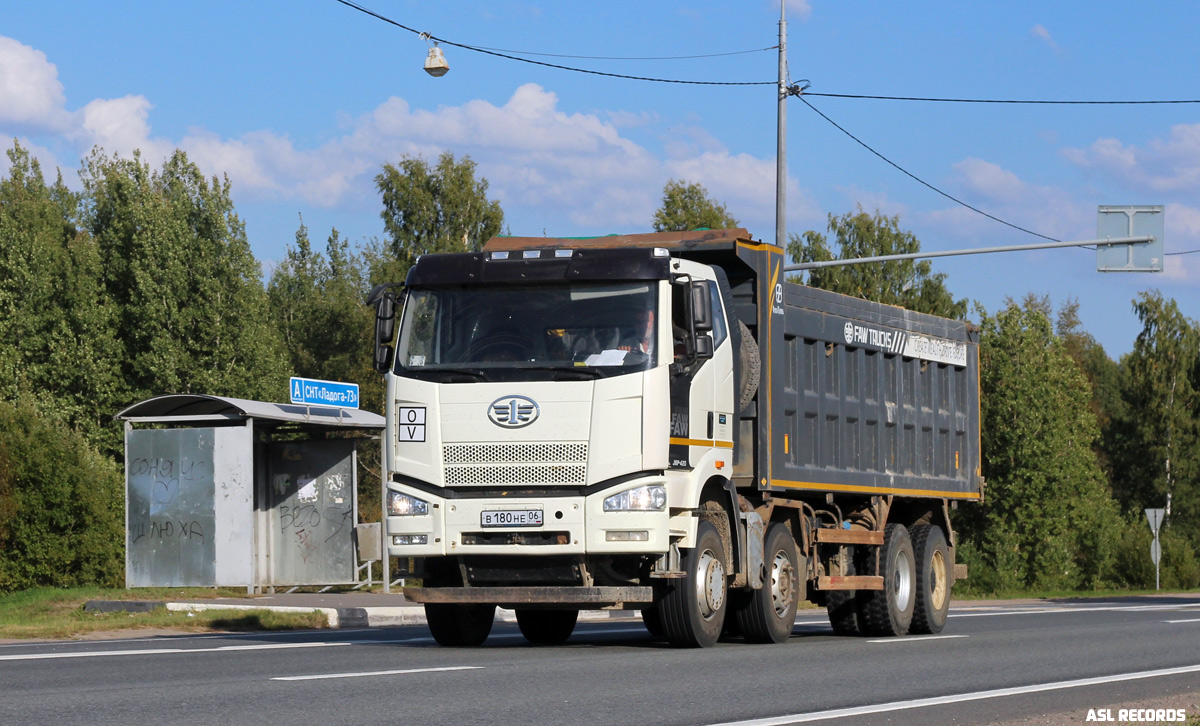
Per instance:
(687,206)
(57,323)
(906,283)
(318,305)
(1102,372)
(1048,520)
(192,311)
(1156,440)
(439,209)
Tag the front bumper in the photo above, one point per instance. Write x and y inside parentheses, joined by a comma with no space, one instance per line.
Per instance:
(570,525)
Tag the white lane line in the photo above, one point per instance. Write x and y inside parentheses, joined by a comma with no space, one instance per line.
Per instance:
(168,651)
(327,676)
(910,638)
(943,700)
(1083,609)
(1192,620)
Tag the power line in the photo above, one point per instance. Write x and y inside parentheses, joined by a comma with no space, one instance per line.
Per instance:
(921,181)
(499,54)
(635,58)
(1000,100)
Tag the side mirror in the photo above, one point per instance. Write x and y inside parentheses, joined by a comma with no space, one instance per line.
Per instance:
(704,346)
(702,321)
(385,302)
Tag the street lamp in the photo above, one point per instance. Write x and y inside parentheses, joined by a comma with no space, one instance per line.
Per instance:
(435,62)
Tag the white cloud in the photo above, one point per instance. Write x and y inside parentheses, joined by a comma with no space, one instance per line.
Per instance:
(1039,31)
(1162,165)
(30,92)
(997,191)
(555,164)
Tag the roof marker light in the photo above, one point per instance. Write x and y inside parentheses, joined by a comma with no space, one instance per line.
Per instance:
(500,255)
(563,253)
(531,254)
(661,252)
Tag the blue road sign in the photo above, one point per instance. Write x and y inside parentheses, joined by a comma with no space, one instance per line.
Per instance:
(324,393)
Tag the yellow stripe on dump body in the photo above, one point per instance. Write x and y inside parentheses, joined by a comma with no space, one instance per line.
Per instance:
(818,486)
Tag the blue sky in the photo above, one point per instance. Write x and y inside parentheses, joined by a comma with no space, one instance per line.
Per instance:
(300,103)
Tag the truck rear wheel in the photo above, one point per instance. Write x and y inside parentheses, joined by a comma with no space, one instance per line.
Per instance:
(693,608)
(844,606)
(653,621)
(460,625)
(547,627)
(933,579)
(769,615)
(889,611)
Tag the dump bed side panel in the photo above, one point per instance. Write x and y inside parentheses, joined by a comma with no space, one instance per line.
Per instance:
(873,399)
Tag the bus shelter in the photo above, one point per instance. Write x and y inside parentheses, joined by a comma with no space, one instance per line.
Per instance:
(229,492)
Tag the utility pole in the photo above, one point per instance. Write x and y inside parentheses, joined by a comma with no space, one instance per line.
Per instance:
(781,136)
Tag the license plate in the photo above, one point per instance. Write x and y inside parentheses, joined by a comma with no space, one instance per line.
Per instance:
(512,518)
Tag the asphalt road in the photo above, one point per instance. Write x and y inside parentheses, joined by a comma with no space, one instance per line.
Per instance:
(991,664)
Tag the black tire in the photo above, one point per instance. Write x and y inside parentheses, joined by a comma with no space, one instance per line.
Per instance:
(844,606)
(693,607)
(547,627)
(653,621)
(460,625)
(750,364)
(770,613)
(933,579)
(889,611)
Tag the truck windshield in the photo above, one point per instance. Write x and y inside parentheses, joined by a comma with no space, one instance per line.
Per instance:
(528,332)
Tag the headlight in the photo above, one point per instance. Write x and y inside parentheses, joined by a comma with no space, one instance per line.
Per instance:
(402,505)
(650,498)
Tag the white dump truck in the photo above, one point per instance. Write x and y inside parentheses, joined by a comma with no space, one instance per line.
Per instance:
(662,423)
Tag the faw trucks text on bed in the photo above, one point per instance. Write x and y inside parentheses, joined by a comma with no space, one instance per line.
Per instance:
(662,423)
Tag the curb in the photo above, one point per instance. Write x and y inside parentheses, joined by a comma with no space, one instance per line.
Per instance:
(357,617)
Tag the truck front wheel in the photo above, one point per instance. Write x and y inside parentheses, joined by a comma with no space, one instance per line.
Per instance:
(547,627)
(769,615)
(692,608)
(460,625)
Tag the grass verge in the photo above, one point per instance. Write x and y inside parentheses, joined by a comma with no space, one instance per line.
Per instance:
(58,613)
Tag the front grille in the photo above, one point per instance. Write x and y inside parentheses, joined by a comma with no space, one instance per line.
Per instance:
(529,539)
(514,453)
(515,464)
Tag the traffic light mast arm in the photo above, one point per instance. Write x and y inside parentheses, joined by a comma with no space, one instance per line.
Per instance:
(977,251)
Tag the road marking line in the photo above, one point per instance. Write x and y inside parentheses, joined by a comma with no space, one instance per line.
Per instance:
(1084,609)
(168,651)
(377,673)
(943,700)
(1193,620)
(916,637)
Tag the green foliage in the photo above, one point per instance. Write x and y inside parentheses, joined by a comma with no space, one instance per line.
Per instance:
(1048,521)
(687,206)
(61,513)
(192,311)
(57,323)
(435,209)
(906,283)
(318,304)
(1156,438)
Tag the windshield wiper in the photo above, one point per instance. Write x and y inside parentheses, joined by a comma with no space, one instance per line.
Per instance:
(579,373)
(469,374)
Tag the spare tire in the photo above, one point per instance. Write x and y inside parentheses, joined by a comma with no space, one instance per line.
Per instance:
(750,363)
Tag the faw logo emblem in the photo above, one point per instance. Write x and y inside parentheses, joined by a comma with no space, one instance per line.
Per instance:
(848,331)
(513,412)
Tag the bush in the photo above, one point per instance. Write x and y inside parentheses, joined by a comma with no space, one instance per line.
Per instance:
(1180,568)
(61,506)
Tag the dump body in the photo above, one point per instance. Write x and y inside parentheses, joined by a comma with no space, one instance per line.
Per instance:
(872,399)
